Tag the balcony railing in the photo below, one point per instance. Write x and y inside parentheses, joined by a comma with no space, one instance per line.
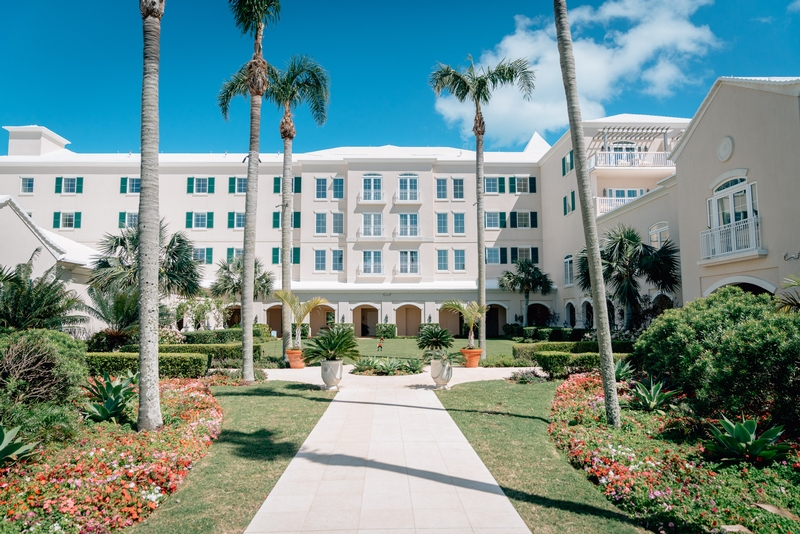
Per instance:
(370,231)
(370,196)
(630,159)
(406,269)
(606,204)
(369,268)
(411,196)
(406,231)
(739,236)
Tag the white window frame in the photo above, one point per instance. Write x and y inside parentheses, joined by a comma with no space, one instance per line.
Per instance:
(372,229)
(439,216)
(65,185)
(460,183)
(656,233)
(408,225)
(334,216)
(238,253)
(238,216)
(241,185)
(199,254)
(408,262)
(372,193)
(493,250)
(64,216)
(372,266)
(131,181)
(463,253)
(727,189)
(323,215)
(22,185)
(324,190)
(324,256)
(439,253)
(524,253)
(131,219)
(520,180)
(333,260)
(523,215)
(197,182)
(198,215)
(463,218)
(405,191)
(569,273)
(490,215)
(334,180)
(437,182)
(486,185)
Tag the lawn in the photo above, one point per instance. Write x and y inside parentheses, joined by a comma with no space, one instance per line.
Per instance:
(263,427)
(407,348)
(506,424)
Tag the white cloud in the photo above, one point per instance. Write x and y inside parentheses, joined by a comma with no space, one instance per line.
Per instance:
(794,6)
(648,50)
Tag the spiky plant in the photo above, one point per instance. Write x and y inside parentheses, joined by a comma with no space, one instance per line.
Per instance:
(300,311)
(229,280)
(335,343)
(527,279)
(472,313)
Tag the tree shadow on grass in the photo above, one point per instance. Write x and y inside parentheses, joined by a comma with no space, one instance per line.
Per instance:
(258,445)
(568,506)
(260,391)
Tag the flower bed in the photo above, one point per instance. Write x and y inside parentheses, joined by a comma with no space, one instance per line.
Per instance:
(112,477)
(650,469)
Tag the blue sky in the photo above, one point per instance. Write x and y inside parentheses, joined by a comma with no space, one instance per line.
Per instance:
(78,71)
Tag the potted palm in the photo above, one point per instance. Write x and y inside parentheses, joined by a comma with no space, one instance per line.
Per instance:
(435,341)
(300,311)
(329,348)
(472,314)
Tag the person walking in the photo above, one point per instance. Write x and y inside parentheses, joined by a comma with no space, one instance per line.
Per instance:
(380,344)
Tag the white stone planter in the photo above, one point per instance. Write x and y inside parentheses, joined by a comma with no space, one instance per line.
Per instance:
(441,372)
(332,373)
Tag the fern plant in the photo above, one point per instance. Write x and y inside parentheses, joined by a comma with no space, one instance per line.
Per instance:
(738,442)
(651,397)
(11,447)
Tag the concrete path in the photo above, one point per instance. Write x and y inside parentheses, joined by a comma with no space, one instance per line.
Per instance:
(387,458)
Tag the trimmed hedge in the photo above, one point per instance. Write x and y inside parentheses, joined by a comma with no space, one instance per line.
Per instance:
(185,365)
(386,330)
(214,352)
(575,347)
(560,364)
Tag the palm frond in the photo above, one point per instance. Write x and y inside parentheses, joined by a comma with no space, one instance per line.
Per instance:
(304,81)
(248,14)
(231,88)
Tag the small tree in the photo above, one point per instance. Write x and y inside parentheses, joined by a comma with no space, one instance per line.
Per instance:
(472,314)
(527,279)
(229,280)
(300,311)
(336,343)
(435,340)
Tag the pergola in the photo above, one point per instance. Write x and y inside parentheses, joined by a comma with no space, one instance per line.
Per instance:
(641,136)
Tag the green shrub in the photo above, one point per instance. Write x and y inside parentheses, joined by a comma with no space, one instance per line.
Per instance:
(554,363)
(12,447)
(386,330)
(503,360)
(544,333)
(216,352)
(227,335)
(107,340)
(576,334)
(512,330)
(529,332)
(559,334)
(186,365)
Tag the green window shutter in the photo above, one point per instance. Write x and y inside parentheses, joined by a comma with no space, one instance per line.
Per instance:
(485,256)
(571,160)
(296,219)
(230,254)
(298,184)
(512,185)
(190,185)
(296,255)
(123,186)
(189,219)
(59,182)
(209,256)
(565,205)
(231,217)
(514,254)
(232,184)
(501,185)
(276,219)
(276,184)
(563,166)
(502,219)
(77,219)
(210,219)
(276,255)
(57,219)
(535,254)
(503,255)
(531,184)
(211,182)
(513,222)
(123,219)
(534,219)
(572,194)
(79,185)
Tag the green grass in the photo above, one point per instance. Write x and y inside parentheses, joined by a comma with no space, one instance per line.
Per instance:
(263,428)
(407,348)
(506,424)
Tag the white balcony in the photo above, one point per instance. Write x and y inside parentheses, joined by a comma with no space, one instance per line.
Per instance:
(630,159)
(370,231)
(368,269)
(406,269)
(606,204)
(406,231)
(370,197)
(733,238)
(407,197)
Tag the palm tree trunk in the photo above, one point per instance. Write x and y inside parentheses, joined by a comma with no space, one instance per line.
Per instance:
(149,224)
(628,315)
(287,133)
(527,301)
(587,212)
(479,129)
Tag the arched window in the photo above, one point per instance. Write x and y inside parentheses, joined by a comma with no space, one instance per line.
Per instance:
(408,187)
(568,278)
(659,233)
(733,201)
(373,187)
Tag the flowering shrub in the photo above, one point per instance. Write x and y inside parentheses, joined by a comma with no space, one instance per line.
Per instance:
(111,477)
(666,483)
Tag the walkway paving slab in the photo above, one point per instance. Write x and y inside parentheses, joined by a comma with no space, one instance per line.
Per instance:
(386,458)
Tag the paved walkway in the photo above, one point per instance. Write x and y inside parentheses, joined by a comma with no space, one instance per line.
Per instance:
(387,458)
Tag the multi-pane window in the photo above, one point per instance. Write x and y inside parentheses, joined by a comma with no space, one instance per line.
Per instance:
(322,188)
(492,219)
(441,188)
(372,190)
(238,220)
(199,255)
(458,188)
(134,185)
(569,202)
(490,185)
(201,185)
(523,254)
(459,262)
(441,260)
(408,187)
(568,278)
(321,223)
(408,225)
(441,223)
(338,223)
(372,263)
(319,260)
(373,224)
(409,262)
(241,185)
(523,219)
(238,253)
(131,219)
(567,163)
(70,185)
(338,188)
(337,260)
(520,184)
(458,223)
(26,186)
(67,220)
(493,255)
(659,233)
(200,220)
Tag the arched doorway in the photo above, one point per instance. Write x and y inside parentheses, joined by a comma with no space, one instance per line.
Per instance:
(274,319)
(234,315)
(538,315)
(661,303)
(569,316)
(752,288)
(495,319)
(588,315)
(451,320)
(408,319)
(365,317)
(320,317)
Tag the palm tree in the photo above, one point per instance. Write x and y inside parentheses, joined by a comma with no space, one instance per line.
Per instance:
(472,313)
(789,300)
(229,280)
(335,343)
(626,260)
(251,17)
(303,81)
(300,311)
(149,224)
(118,267)
(564,38)
(528,279)
(476,85)
(118,309)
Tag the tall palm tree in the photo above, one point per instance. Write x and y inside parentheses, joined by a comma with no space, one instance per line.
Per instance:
(473,313)
(626,260)
(528,279)
(564,38)
(303,82)
(119,266)
(118,309)
(476,85)
(229,280)
(251,17)
(149,227)
(299,310)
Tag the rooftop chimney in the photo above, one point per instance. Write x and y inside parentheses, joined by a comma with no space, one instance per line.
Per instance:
(33,141)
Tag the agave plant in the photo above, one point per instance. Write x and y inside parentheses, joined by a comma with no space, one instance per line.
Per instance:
(651,398)
(415,365)
(365,364)
(738,442)
(389,366)
(623,371)
(109,398)
(11,447)
(336,343)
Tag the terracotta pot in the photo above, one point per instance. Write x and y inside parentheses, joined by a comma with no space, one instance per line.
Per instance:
(441,372)
(473,356)
(332,374)
(295,359)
